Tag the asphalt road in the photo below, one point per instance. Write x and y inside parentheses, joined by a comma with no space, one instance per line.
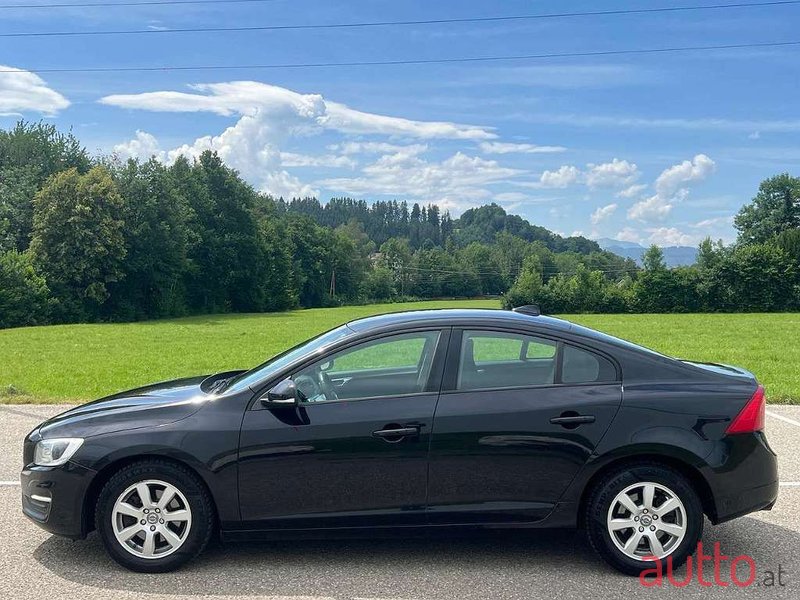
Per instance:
(538,564)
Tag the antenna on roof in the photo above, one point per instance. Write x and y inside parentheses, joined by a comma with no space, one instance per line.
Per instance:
(529,309)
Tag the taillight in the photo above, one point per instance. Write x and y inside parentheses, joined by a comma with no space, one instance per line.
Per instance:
(751,417)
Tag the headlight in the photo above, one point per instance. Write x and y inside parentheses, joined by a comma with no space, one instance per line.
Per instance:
(55,452)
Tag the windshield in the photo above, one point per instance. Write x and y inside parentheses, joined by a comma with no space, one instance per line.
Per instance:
(279,362)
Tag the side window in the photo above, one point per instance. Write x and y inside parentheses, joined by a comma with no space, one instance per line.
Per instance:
(494,359)
(390,366)
(580,366)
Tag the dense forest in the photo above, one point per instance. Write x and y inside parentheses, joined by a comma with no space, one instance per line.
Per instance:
(86,238)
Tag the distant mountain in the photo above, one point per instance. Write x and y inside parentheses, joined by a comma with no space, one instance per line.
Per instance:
(674,256)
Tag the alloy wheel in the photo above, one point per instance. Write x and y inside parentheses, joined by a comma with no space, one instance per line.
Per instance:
(151,519)
(647,519)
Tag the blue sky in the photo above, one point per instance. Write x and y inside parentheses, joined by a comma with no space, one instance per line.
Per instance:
(647,148)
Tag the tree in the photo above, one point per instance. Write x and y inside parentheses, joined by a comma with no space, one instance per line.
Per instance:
(18,186)
(42,148)
(775,208)
(379,284)
(789,242)
(527,288)
(396,256)
(653,259)
(757,277)
(78,241)
(157,237)
(24,297)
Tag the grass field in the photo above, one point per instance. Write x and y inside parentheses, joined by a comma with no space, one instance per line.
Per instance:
(75,363)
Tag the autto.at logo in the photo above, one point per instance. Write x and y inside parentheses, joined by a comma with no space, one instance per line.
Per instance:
(712,570)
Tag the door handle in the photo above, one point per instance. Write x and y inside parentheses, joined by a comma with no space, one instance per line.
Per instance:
(396,434)
(572,420)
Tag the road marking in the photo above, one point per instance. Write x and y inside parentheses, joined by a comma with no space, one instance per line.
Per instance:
(784,419)
(9,483)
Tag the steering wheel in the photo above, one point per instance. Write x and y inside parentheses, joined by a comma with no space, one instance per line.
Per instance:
(326,385)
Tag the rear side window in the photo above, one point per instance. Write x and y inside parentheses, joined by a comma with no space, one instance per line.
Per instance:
(581,366)
(493,359)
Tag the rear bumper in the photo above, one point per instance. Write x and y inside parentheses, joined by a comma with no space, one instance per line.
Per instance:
(745,479)
(52,497)
(762,497)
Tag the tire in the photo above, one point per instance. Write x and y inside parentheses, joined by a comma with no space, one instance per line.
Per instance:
(163,533)
(676,533)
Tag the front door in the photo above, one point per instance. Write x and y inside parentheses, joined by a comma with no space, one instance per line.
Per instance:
(521,417)
(355,451)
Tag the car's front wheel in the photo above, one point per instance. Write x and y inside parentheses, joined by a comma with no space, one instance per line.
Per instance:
(154,515)
(641,513)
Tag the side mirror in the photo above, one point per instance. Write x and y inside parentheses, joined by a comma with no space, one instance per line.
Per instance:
(283,394)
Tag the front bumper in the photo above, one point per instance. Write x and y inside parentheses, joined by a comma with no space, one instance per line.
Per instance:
(53,497)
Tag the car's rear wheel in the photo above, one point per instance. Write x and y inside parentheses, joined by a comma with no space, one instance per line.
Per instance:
(154,515)
(643,511)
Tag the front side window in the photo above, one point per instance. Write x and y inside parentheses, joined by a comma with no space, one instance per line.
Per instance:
(390,366)
(493,359)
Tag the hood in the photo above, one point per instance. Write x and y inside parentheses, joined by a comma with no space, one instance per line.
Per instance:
(148,406)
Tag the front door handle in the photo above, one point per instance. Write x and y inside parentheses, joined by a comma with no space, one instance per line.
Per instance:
(396,434)
(572,420)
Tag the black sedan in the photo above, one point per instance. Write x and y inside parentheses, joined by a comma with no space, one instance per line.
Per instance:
(410,422)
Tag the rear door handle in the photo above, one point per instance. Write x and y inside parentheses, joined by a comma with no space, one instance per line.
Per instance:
(572,420)
(398,433)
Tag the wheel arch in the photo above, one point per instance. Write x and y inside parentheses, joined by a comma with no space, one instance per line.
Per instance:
(679,464)
(107,472)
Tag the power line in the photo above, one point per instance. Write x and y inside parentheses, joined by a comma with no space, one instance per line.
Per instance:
(367,24)
(124,4)
(421,61)
(545,271)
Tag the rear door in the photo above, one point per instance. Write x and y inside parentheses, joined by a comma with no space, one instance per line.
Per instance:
(517,418)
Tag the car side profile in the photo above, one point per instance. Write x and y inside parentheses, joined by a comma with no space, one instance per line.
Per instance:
(416,421)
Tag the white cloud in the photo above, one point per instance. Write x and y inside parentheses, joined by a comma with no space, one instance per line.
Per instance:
(671,188)
(712,124)
(613,174)
(376,148)
(756,135)
(603,213)
(654,208)
(23,91)
(697,169)
(253,98)
(269,116)
(347,120)
(565,176)
(714,222)
(511,148)
(628,234)
(142,147)
(291,159)
(455,183)
(632,191)
(670,236)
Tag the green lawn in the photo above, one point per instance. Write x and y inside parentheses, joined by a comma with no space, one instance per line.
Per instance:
(81,362)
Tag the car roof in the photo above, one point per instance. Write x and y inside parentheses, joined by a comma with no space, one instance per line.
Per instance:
(457,316)
(493,317)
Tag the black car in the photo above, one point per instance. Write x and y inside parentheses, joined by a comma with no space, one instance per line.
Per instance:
(409,422)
